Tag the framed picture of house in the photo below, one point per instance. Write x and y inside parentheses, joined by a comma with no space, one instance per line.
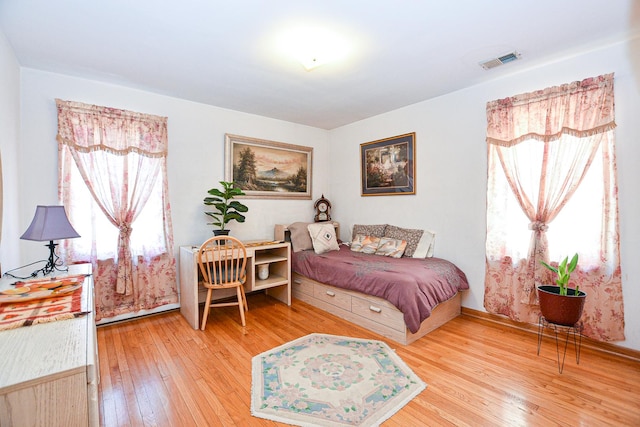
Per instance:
(388,166)
(268,169)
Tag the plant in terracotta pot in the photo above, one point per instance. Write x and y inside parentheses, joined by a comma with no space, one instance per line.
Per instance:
(560,304)
(226,209)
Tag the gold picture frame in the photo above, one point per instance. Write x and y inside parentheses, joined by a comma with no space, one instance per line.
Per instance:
(388,166)
(268,169)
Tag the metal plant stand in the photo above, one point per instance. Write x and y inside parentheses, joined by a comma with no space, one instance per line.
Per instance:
(568,330)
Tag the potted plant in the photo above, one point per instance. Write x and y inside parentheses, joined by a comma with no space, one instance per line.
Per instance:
(560,304)
(226,209)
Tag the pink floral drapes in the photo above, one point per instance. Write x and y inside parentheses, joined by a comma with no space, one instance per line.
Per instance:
(571,126)
(121,157)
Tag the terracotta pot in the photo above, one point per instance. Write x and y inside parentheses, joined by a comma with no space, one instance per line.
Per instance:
(561,309)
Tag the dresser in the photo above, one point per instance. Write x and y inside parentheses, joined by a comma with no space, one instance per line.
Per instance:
(49,371)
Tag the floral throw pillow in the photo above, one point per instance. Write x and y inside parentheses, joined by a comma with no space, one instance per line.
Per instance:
(323,238)
(365,244)
(376,230)
(393,248)
(411,236)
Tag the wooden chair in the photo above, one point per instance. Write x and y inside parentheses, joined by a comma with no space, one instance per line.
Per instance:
(223,262)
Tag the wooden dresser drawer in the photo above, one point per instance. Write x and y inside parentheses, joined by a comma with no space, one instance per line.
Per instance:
(381,312)
(332,296)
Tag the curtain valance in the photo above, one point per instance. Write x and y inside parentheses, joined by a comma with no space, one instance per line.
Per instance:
(582,108)
(88,128)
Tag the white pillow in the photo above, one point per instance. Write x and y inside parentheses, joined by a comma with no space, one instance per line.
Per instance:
(323,237)
(425,245)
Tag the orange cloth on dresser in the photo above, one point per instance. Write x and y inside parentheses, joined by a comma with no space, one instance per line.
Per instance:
(47,309)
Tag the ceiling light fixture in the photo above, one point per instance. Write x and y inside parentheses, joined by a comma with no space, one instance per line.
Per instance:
(313,46)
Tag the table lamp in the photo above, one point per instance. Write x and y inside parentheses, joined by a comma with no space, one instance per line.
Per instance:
(50,223)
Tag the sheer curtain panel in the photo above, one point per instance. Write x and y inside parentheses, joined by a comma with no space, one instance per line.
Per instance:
(113,182)
(551,192)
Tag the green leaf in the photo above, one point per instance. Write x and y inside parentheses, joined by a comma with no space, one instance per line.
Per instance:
(562,267)
(238,206)
(573,264)
(216,192)
(234,216)
(550,267)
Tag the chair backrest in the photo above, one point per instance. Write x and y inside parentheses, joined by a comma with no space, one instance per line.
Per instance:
(222,261)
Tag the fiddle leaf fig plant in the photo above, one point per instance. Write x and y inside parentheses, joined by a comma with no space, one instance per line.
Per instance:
(226,209)
(563,272)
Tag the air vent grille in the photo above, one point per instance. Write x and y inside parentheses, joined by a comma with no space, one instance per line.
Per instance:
(495,62)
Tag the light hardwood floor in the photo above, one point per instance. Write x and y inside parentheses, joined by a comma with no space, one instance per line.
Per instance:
(157,371)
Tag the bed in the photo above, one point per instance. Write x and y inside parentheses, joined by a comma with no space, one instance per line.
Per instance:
(402,298)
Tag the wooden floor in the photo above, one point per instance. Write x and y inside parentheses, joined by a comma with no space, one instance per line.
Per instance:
(157,371)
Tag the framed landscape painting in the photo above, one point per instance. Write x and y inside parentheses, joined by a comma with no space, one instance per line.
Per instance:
(268,169)
(388,166)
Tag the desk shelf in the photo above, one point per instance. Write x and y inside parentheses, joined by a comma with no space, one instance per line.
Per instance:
(269,258)
(271,281)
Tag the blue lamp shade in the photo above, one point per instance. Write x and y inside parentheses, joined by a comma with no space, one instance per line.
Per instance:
(50,223)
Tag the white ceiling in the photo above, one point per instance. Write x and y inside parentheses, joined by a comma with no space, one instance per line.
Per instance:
(221,52)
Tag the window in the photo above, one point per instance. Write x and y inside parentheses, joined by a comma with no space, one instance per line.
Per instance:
(96,230)
(113,183)
(575,227)
(552,192)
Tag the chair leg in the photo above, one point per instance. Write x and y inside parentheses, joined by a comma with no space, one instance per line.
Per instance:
(241,305)
(244,299)
(207,306)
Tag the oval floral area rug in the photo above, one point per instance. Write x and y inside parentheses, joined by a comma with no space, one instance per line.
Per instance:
(328,380)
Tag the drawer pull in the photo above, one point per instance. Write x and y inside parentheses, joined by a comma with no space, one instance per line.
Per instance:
(331,294)
(376,309)
(297,281)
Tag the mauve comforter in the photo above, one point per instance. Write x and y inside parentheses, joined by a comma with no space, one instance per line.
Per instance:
(414,285)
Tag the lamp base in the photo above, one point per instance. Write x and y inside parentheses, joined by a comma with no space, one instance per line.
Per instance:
(53,261)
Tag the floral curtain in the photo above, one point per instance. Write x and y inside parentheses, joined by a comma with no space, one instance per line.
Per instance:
(121,158)
(541,145)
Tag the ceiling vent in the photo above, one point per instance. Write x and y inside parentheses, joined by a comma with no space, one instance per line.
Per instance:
(492,63)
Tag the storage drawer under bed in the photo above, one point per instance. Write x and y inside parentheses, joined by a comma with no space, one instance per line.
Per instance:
(369,307)
(379,311)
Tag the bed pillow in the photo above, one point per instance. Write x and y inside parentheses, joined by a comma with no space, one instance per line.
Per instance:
(393,248)
(300,237)
(323,237)
(365,244)
(426,244)
(411,236)
(368,230)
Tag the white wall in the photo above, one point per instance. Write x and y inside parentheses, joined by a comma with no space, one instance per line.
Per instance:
(451,167)
(9,142)
(195,162)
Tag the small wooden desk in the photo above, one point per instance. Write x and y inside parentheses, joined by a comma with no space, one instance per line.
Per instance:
(277,285)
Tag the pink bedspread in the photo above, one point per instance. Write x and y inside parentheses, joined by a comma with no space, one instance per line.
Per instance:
(414,285)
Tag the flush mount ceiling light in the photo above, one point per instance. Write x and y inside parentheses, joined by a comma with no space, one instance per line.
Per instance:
(313,46)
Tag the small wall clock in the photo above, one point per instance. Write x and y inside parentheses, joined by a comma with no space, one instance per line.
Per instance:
(323,210)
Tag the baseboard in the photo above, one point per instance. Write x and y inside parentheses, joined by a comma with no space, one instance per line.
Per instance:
(604,347)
